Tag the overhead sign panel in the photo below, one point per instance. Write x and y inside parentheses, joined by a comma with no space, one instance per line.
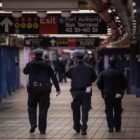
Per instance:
(82,24)
(89,43)
(28,24)
(49,25)
(53,24)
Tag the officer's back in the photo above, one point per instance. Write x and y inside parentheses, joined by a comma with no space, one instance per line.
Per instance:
(38,69)
(82,74)
(112,79)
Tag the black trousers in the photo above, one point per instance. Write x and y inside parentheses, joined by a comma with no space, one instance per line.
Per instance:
(113,109)
(43,100)
(81,105)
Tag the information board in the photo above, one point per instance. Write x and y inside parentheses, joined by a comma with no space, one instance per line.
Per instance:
(53,24)
(89,43)
(82,24)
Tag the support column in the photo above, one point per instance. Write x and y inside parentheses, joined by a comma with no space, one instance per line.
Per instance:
(0,75)
(132,68)
(4,73)
(137,70)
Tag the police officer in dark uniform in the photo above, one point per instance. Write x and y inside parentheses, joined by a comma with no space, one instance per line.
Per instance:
(112,84)
(39,89)
(82,76)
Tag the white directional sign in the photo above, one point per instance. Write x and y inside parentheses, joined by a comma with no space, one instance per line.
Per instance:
(52,42)
(6,22)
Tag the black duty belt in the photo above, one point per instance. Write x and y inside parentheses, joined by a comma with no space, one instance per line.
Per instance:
(78,89)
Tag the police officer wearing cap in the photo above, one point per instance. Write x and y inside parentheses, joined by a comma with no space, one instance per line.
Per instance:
(39,89)
(112,84)
(82,76)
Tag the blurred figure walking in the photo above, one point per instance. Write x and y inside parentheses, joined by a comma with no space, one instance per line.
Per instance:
(39,89)
(112,84)
(82,76)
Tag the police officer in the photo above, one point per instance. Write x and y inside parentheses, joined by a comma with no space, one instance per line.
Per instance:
(39,89)
(112,84)
(82,76)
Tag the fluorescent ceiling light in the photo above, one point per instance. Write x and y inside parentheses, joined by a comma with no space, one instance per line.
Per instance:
(5,12)
(77,35)
(109,11)
(73,12)
(135,10)
(134,4)
(117,17)
(83,11)
(29,12)
(0,4)
(53,12)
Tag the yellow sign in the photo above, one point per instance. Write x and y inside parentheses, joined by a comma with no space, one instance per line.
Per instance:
(17,25)
(29,25)
(62,41)
(26,25)
(23,25)
(35,25)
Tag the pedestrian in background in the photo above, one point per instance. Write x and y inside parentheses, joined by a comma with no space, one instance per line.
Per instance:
(59,68)
(82,76)
(112,84)
(39,89)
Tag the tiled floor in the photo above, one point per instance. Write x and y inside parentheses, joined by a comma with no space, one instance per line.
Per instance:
(14,123)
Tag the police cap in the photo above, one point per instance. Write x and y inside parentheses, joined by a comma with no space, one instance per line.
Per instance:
(113,60)
(79,54)
(38,52)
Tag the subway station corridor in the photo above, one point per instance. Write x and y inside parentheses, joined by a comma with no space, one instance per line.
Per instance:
(14,123)
(101,29)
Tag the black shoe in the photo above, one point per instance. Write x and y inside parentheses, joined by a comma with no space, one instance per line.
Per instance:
(84,133)
(42,132)
(76,129)
(110,130)
(32,130)
(118,129)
